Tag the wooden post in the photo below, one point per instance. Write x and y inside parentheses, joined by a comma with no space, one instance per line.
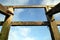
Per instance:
(6,26)
(53,27)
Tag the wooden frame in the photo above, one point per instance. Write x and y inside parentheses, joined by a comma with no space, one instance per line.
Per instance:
(51,23)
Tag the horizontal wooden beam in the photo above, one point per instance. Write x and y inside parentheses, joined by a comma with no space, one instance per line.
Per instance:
(50,12)
(30,6)
(30,23)
(27,23)
(58,22)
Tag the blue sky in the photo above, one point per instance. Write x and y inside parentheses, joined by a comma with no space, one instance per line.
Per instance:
(29,33)
(33,14)
(30,14)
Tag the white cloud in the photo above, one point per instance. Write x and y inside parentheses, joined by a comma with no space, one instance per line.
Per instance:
(0,28)
(56,16)
(19,34)
(25,31)
(13,36)
(59,28)
(14,2)
(2,17)
(29,38)
(50,2)
(21,1)
(17,12)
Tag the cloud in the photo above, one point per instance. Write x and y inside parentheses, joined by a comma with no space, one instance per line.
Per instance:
(25,31)
(21,1)
(14,2)
(56,16)
(17,12)
(0,28)
(13,36)
(50,2)
(59,28)
(29,38)
(19,33)
(2,17)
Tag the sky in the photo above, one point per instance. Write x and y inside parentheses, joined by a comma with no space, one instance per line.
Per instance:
(29,14)
(29,2)
(29,33)
(33,14)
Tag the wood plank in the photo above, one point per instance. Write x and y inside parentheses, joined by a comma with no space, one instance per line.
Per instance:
(18,23)
(30,6)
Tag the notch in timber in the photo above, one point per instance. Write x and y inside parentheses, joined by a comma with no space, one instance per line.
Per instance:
(4,10)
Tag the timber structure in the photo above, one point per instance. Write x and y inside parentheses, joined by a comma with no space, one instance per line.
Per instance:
(51,23)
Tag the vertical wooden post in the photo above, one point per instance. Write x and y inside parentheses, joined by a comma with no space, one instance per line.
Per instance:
(6,27)
(53,27)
